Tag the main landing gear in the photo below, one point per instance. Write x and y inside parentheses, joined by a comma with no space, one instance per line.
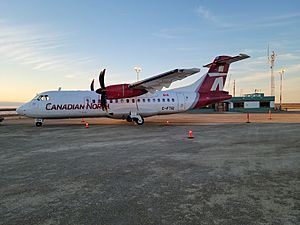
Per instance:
(138,119)
(39,122)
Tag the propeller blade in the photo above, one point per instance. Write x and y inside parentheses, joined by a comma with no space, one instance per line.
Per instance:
(92,85)
(101,91)
(101,79)
(103,101)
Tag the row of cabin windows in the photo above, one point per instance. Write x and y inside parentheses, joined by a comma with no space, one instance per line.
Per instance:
(139,100)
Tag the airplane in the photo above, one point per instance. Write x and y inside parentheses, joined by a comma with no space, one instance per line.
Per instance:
(137,100)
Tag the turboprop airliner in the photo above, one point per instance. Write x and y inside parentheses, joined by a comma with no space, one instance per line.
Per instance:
(137,100)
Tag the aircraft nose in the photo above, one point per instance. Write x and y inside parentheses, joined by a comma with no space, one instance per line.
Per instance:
(21,110)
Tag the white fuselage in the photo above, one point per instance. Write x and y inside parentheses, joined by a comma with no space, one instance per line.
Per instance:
(75,104)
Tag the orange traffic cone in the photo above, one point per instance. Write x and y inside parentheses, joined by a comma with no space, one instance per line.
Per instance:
(190,135)
(86,125)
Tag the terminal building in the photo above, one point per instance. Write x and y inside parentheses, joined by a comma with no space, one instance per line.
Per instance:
(255,102)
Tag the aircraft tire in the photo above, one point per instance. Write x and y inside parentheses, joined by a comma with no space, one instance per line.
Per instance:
(129,119)
(140,122)
(38,124)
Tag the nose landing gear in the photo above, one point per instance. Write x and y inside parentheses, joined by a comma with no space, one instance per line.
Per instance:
(39,122)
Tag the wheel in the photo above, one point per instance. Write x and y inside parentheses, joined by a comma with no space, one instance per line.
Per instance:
(38,124)
(139,121)
(129,119)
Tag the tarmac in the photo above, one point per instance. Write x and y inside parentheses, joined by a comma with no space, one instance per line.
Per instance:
(115,172)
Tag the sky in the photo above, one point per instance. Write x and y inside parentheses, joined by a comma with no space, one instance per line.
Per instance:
(45,45)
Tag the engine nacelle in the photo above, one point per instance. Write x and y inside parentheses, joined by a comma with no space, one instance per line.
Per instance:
(122,91)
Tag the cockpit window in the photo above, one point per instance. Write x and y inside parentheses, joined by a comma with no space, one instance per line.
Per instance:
(42,98)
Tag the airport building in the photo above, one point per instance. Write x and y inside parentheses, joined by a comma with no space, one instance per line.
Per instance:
(255,102)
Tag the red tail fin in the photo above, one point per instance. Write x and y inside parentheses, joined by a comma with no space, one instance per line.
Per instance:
(215,78)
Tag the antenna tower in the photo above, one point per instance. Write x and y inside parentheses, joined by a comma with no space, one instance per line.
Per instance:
(271,59)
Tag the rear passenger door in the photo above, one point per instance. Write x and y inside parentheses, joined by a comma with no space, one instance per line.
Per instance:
(181,101)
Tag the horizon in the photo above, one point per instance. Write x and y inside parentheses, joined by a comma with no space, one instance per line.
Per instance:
(47,45)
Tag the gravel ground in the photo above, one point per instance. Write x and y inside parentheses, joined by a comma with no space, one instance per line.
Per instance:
(151,174)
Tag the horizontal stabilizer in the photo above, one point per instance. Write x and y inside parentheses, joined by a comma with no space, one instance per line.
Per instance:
(228,60)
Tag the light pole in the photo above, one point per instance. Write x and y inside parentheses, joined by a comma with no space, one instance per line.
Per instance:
(137,70)
(281,72)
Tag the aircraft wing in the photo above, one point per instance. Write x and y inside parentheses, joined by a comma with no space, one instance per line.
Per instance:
(156,83)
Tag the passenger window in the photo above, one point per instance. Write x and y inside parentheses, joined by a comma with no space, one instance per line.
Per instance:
(149,100)
(111,101)
(163,100)
(139,100)
(173,100)
(158,100)
(133,100)
(122,100)
(154,100)
(93,101)
(144,100)
(116,100)
(168,100)
(127,100)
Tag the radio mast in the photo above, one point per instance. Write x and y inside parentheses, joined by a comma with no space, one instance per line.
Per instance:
(271,59)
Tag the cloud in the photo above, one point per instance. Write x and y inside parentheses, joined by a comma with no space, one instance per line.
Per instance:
(210,16)
(288,56)
(33,47)
(165,34)
(245,23)
(206,14)
(173,33)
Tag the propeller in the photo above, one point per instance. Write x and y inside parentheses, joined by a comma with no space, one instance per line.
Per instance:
(101,91)
(92,85)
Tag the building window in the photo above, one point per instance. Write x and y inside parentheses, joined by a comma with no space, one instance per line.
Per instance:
(238,105)
(264,104)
